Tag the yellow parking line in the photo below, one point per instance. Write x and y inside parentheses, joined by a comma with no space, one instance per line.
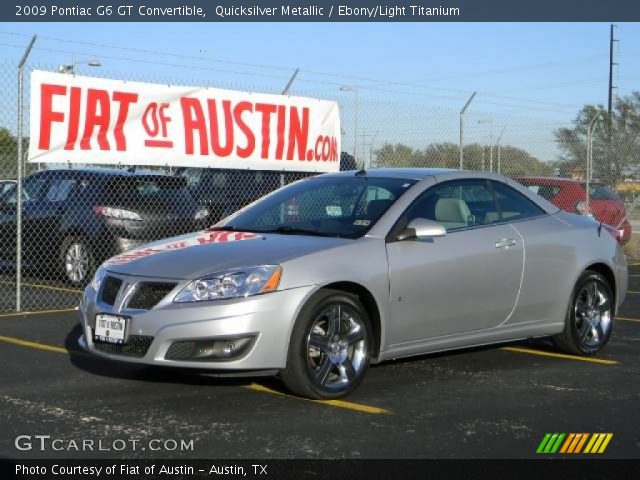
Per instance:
(634,292)
(37,312)
(334,403)
(627,319)
(254,386)
(39,346)
(559,355)
(47,287)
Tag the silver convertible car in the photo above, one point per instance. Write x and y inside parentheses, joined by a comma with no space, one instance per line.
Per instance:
(320,278)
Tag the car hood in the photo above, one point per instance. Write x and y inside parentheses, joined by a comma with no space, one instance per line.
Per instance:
(198,254)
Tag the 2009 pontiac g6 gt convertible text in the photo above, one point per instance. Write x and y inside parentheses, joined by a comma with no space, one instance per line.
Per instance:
(324,276)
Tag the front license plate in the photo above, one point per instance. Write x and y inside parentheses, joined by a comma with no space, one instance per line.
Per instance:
(110,328)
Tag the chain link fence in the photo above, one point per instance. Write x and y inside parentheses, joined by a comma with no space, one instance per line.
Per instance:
(75,217)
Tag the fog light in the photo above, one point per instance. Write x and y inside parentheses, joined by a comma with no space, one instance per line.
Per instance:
(210,349)
(228,349)
(205,351)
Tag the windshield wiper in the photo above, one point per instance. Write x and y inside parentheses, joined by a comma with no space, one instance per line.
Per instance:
(289,230)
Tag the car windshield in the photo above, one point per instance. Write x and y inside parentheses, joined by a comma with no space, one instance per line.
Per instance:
(329,206)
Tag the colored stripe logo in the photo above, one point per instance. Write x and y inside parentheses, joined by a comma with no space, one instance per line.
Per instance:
(573,443)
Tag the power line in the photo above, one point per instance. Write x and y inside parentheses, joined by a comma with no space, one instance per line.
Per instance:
(289,69)
(320,82)
(154,52)
(558,85)
(517,68)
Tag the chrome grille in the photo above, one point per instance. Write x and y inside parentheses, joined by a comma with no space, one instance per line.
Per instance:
(181,351)
(137,346)
(147,295)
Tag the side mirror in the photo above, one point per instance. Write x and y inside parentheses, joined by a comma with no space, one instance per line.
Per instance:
(421,228)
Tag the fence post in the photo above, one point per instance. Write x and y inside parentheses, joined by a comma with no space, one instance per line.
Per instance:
(290,82)
(20,173)
(593,125)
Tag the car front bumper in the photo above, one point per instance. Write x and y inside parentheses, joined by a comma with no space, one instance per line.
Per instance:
(266,320)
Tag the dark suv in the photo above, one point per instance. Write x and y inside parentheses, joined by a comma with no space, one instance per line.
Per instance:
(74,219)
(224,191)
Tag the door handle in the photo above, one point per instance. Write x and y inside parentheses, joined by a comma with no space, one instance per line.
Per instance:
(505,242)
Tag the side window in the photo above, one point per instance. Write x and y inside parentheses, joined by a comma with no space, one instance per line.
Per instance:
(31,190)
(514,205)
(60,189)
(456,205)
(545,191)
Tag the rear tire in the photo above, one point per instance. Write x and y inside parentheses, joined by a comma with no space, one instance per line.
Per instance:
(330,347)
(589,319)
(77,261)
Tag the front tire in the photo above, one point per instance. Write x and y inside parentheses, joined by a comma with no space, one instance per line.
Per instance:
(589,320)
(77,261)
(330,347)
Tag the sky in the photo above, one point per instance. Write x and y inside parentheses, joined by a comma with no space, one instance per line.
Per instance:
(412,78)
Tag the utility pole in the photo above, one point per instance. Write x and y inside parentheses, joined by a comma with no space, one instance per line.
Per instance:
(612,64)
(612,40)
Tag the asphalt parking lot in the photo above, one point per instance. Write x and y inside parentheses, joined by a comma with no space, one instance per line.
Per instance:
(495,402)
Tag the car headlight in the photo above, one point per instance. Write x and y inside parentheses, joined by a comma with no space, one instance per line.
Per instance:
(98,277)
(201,214)
(241,282)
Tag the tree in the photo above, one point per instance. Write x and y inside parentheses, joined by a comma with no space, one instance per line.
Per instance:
(514,161)
(616,140)
(398,155)
(9,155)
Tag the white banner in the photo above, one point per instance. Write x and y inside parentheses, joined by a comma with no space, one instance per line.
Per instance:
(96,121)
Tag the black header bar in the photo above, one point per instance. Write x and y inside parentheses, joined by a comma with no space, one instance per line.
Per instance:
(319,11)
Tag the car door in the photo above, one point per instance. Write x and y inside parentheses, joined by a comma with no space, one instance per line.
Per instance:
(32,189)
(467,280)
(45,214)
(549,256)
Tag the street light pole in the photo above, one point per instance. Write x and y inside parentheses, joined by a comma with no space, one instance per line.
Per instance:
(498,147)
(490,121)
(462,112)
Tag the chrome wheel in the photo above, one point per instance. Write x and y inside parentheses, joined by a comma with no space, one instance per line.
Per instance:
(76,262)
(336,347)
(593,314)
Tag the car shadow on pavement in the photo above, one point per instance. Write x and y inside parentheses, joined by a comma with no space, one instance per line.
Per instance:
(157,374)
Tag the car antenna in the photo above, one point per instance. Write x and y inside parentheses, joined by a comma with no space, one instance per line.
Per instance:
(600,228)
(361,172)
